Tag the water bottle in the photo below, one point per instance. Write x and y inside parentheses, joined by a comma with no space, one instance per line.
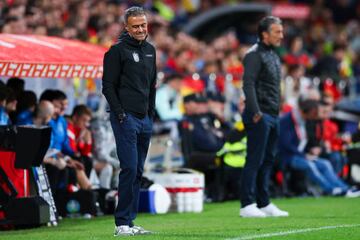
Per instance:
(188,201)
(198,201)
(180,202)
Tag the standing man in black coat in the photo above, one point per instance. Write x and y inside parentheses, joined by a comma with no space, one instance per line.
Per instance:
(262,91)
(129,86)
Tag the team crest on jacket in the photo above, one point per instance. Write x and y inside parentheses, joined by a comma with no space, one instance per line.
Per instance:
(136,57)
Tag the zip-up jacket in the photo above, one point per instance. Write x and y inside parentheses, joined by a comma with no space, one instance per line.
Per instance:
(129,77)
(262,80)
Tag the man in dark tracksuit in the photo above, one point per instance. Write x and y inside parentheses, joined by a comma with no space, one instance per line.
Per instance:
(262,91)
(129,86)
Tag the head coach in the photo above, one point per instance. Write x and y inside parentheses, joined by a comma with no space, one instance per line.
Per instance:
(128,84)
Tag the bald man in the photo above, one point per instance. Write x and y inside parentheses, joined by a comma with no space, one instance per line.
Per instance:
(43,113)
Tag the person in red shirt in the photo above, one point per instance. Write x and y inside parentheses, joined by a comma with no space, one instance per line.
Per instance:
(82,143)
(80,135)
(296,54)
(330,135)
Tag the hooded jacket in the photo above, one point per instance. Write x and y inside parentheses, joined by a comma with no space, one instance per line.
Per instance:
(129,77)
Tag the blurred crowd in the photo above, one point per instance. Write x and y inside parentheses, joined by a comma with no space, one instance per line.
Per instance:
(199,96)
(326,44)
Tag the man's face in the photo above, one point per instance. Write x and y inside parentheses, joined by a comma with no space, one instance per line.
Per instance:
(48,117)
(313,114)
(64,105)
(325,111)
(176,84)
(137,27)
(190,107)
(215,106)
(50,110)
(11,106)
(57,108)
(202,107)
(274,36)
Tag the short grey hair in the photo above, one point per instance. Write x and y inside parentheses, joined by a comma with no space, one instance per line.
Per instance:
(265,24)
(133,11)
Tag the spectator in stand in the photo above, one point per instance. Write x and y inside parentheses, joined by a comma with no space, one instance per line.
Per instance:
(58,123)
(209,71)
(80,136)
(25,107)
(17,85)
(168,100)
(11,105)
(333,141)
(4,117)
(42,114)
(296,84)
(15,25)
(106,163)
(296,54)
(330,66)
(74,174)
(292,150)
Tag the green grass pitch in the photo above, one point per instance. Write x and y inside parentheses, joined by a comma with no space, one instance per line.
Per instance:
(310,219)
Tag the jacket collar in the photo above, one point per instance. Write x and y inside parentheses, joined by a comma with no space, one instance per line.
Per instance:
(125,37)
(264,46)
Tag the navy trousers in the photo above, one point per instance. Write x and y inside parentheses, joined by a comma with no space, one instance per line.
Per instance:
(132,138)
(262,141)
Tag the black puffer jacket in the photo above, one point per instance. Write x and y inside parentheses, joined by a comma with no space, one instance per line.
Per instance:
(129,77)
(262,80)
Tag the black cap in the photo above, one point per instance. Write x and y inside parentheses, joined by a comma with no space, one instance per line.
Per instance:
(200,98)
(190,98)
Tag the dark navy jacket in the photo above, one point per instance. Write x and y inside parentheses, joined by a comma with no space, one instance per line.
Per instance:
(289,140)
(203,139)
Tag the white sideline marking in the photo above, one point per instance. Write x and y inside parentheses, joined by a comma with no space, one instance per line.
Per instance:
(267,235)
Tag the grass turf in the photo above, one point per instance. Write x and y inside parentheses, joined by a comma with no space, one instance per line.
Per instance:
(219,221)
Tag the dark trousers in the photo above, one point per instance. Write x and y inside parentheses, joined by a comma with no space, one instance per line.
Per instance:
(262,140)
(132,138)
